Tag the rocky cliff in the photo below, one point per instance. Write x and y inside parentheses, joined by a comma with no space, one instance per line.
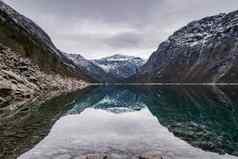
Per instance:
(204,51)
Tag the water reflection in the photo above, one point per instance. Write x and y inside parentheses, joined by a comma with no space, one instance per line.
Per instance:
(109,98)
(127,122)
(206,117)
(32,123)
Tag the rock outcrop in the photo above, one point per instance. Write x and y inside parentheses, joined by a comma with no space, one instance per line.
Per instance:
(204,51)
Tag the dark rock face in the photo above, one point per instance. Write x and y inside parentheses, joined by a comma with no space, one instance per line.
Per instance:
(204,51)
(24,36)
(120,67)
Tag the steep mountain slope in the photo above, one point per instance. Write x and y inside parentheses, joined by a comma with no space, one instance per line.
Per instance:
(24,36)
(90,68)
(120,67)
(203,51)
(31,67)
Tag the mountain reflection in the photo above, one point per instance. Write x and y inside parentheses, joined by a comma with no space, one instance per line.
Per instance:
(115,99)
(205,117)
(175,122)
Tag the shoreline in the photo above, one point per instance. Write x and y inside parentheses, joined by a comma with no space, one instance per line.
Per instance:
(165,84)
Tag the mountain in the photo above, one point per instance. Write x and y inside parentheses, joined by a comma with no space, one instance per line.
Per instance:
(89,68)
(204,51)
(30,65)
(27,38)
(120,67)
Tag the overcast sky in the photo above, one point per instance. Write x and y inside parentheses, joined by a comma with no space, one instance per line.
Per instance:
(97,28)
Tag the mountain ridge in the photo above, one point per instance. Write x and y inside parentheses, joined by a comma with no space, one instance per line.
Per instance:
(120,66)
(26,37)
(89,67)
(111,69)
(204,51)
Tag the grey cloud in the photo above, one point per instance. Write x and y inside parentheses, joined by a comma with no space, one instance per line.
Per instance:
(98,28)
(124,40)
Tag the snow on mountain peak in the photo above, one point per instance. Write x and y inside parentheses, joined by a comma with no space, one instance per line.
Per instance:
(120,66)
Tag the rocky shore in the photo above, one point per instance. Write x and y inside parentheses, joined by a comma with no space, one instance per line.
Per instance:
(147,155)
(23,82)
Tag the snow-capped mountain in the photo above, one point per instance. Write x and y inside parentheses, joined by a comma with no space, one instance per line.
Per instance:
(89,68)
(109,69)
(120,66)
(204,51)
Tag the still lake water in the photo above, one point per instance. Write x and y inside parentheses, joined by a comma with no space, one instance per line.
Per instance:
(191,122)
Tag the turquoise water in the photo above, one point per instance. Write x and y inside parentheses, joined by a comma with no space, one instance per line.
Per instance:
(204,116)
(127,122)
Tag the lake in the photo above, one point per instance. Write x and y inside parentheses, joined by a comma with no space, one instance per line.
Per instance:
(169,122)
